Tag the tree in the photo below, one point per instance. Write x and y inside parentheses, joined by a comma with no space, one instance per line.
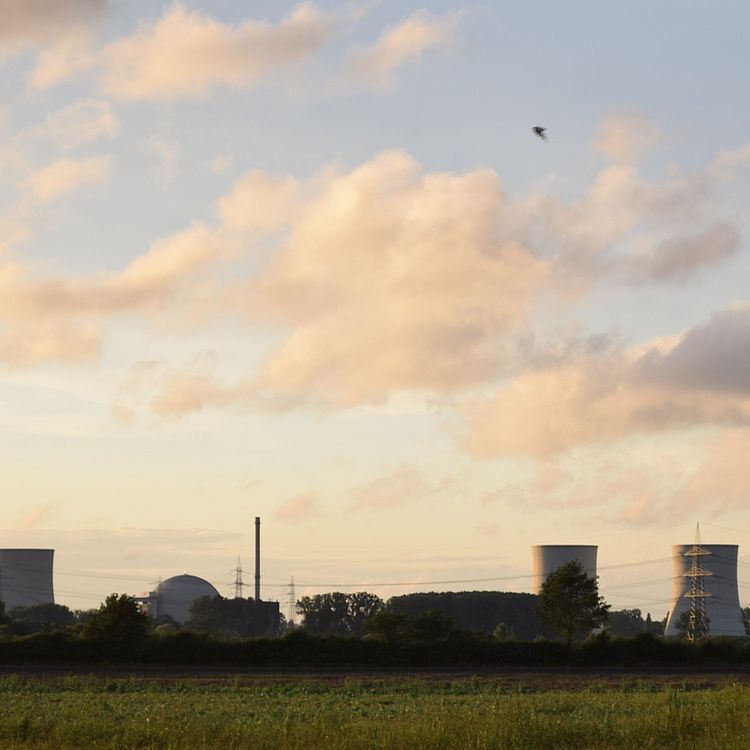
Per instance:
(390,627)
(569,601)
(362,606)
(41,617)
(119,623)
(503,632)
(430,627)
(626,622)
(338,614)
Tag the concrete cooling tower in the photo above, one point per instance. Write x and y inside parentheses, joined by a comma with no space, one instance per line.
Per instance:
(26,577)
(174,596)
(722,603)
(546,558)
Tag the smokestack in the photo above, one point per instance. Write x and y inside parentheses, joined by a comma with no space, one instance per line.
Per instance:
(257,558)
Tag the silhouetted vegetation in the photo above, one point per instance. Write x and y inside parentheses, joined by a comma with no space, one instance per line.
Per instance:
(119,625)
(120,631)
(442,648)
(477,611)
(629,622)
(39,618)
(569,602)
(338,614)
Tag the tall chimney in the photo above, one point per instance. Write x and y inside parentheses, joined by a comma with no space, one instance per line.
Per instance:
(257,558)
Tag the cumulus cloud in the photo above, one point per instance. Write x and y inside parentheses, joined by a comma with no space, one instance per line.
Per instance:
(35,342)
(221,163)
(259,201)
(385,278)
(403,43)
(699,379)
(713,356)
(298,509)
(184,53)
(391,278)
(66,58)
(641,483)
(66,175)
(59,318)
(677,258)
(381,278)
(36,516)
(721,481)
(405,484)
(79,123)
(622,138)
(31,22)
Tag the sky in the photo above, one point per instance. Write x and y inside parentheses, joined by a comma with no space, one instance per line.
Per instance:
(308,262)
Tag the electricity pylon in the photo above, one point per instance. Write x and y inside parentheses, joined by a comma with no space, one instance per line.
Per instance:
(238,583)
(291,602)
(698,625)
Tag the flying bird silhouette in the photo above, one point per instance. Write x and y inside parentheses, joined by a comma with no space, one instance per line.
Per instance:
(537,130)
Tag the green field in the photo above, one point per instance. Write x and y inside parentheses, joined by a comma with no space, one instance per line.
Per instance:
(451,713)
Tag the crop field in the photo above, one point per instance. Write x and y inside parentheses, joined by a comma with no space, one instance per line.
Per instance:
(395,712)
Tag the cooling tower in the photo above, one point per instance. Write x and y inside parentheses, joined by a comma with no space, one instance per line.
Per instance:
(723,602)
(547,558)
(26,577)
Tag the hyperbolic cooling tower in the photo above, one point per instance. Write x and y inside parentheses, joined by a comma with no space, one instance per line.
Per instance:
(723,601)
(26,577)
(546,558)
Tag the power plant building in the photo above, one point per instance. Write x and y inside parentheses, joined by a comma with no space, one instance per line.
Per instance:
(26,577)
(722,602)
(174,596)
(546,558)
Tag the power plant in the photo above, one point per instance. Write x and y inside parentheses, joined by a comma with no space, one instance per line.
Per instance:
(26,577)
(547,558)
(704,586)
(174,596)
(705,597)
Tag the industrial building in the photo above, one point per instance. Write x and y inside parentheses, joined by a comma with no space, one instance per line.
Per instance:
(546,558)
(26,577)
(174,596)
(718,587)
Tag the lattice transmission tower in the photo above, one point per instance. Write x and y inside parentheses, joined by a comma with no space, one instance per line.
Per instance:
(698,624)
(291,602)
(238,583)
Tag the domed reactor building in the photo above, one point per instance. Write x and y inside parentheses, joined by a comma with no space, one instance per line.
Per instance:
(174,596)
(26,577)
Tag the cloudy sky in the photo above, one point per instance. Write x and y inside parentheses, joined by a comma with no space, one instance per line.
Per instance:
(307,261)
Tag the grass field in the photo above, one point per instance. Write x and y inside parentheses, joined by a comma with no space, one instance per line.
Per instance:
(399,713)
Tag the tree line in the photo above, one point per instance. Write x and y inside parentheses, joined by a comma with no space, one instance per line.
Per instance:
(406,628)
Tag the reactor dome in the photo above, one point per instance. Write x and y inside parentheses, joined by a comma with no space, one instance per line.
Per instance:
(174,596)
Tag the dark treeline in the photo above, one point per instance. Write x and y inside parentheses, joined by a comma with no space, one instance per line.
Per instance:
(344,630)
(299,649)
(477,611)
(508,615)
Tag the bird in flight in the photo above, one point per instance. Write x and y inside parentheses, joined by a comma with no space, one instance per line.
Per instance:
(537,130)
